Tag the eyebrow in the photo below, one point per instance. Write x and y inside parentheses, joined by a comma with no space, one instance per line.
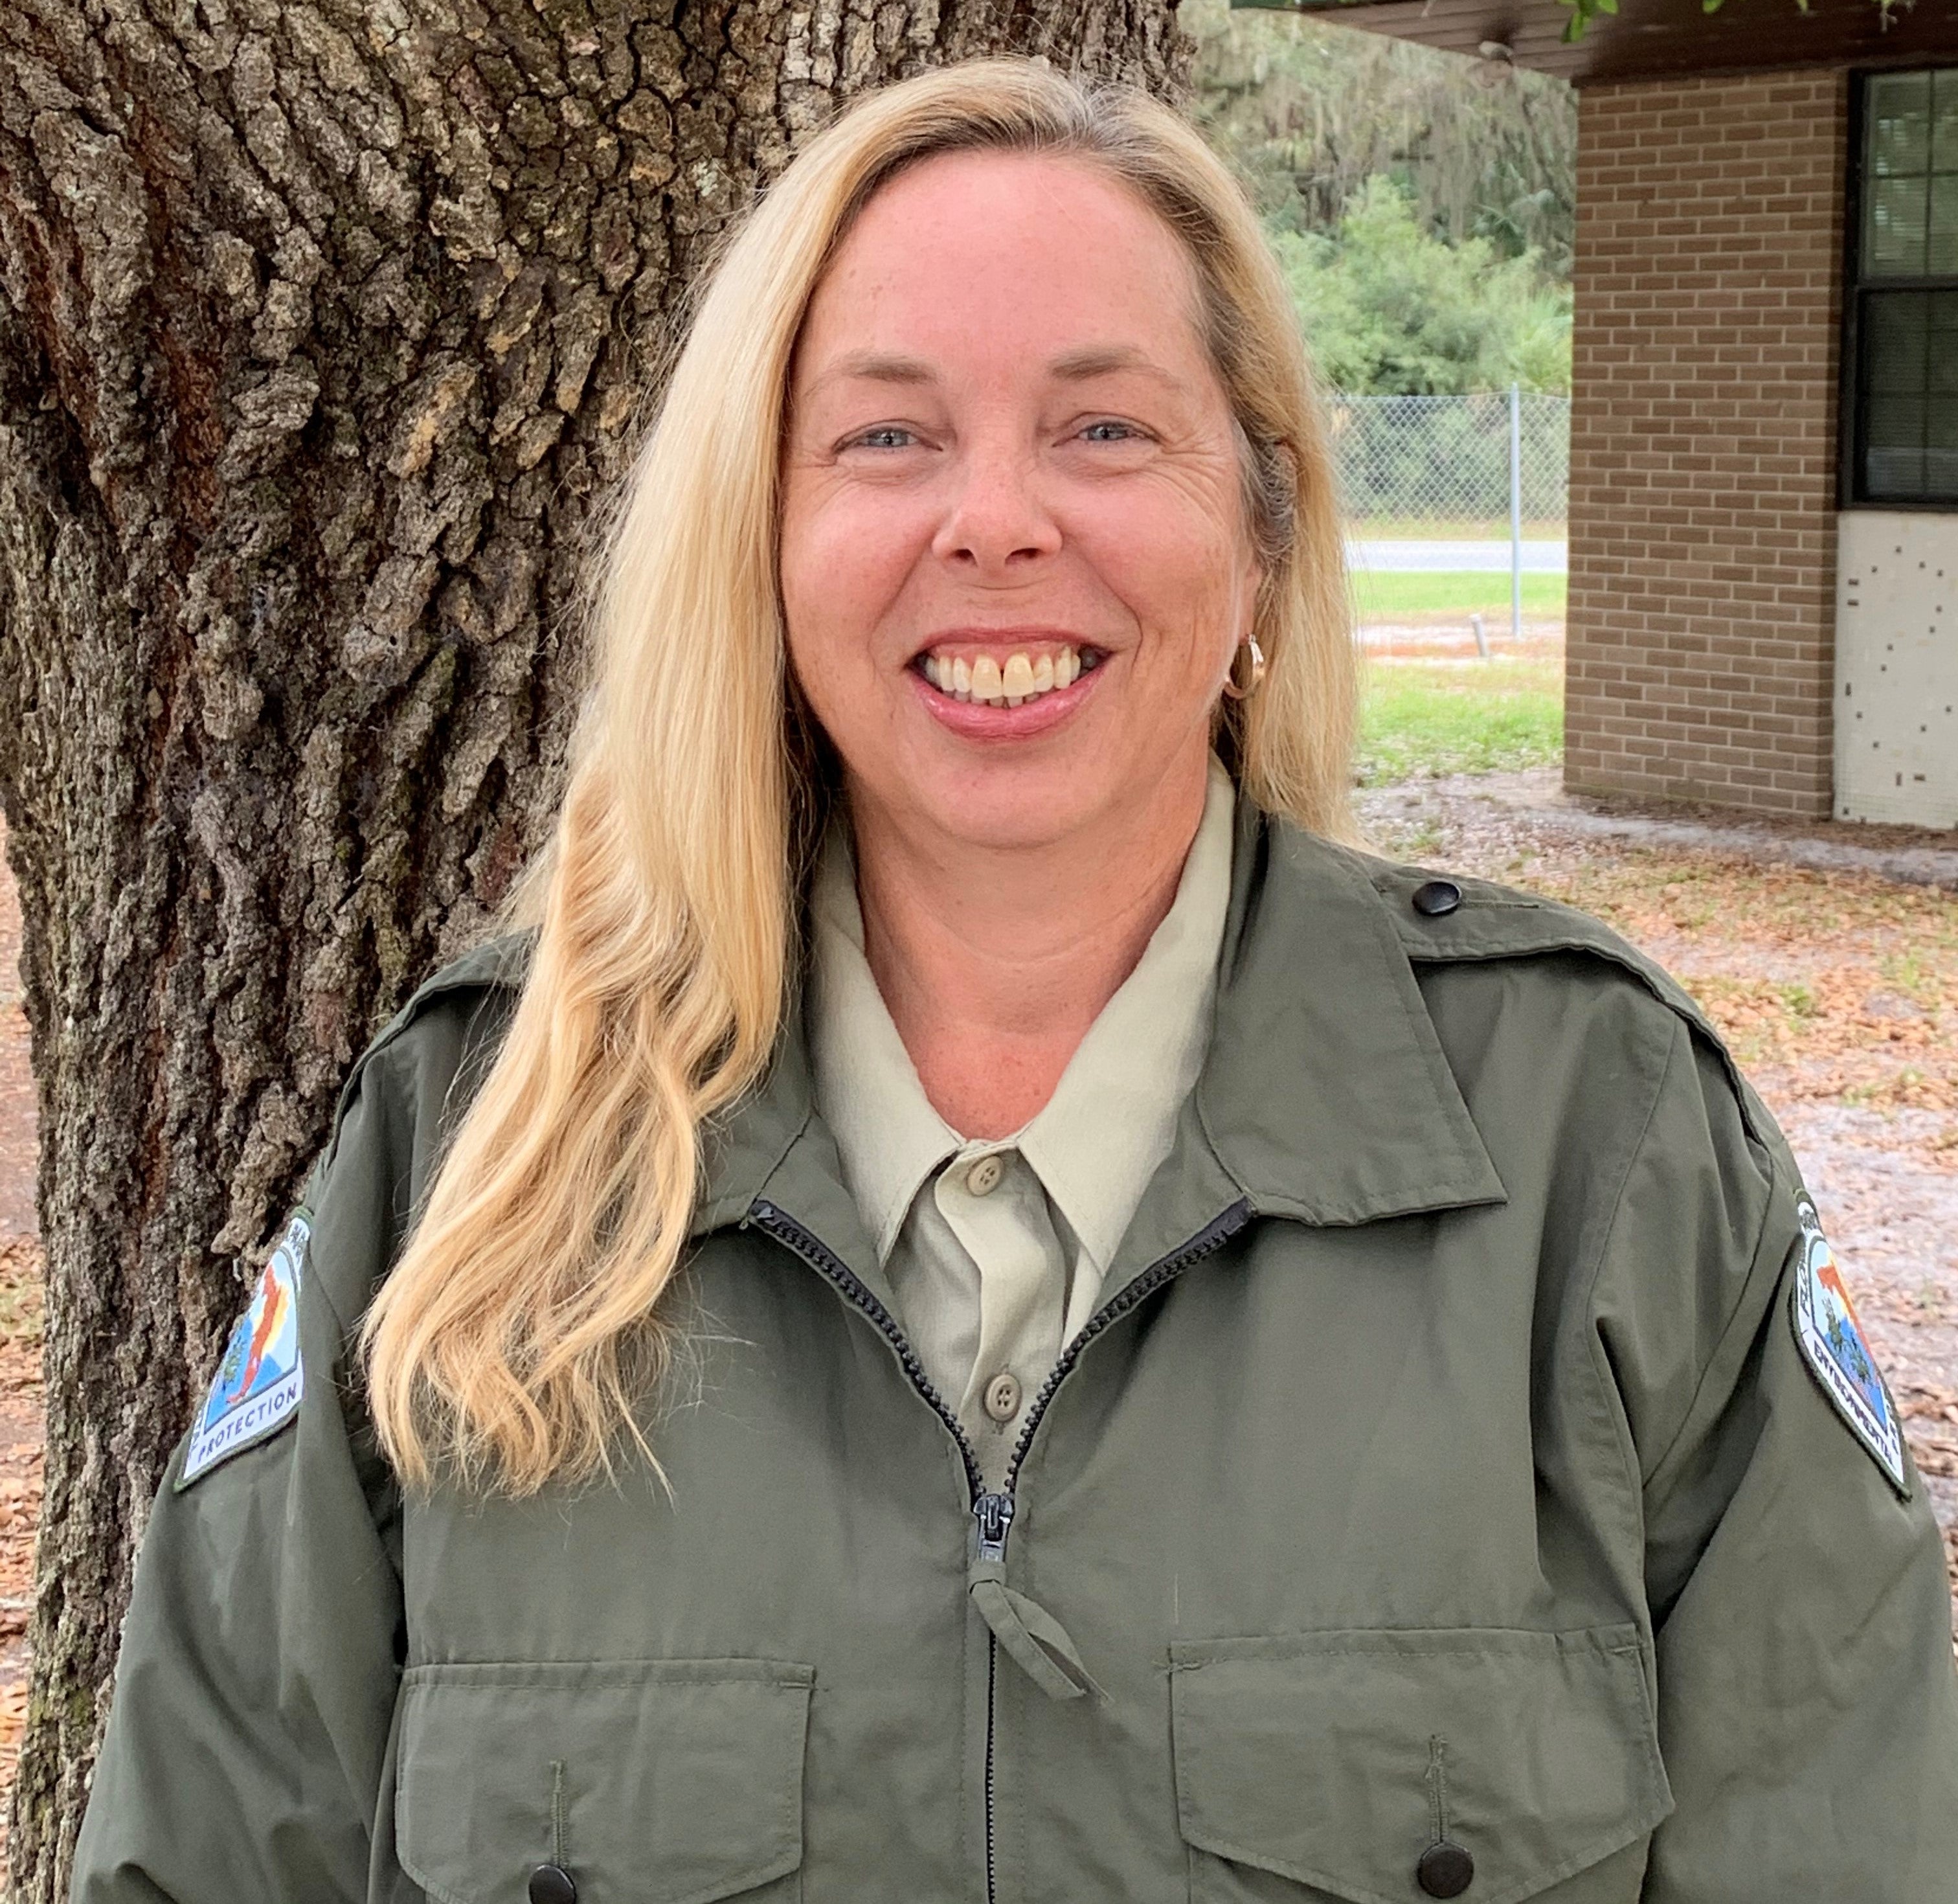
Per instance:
(877,366)
(1102,359)
(1073,367)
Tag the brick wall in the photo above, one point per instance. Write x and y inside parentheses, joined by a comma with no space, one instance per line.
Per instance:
(1703,440)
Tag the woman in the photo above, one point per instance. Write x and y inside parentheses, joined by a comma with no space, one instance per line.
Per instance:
(982,1312)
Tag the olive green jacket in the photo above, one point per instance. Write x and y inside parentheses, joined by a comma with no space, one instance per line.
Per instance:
(1439,1503)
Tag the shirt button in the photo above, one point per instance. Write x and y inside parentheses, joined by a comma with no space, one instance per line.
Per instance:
(552,1884)
(1002,1396)
(983,1177)
(1445,1869)
(1431,901)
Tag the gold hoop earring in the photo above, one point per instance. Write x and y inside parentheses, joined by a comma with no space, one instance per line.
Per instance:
(1230,686)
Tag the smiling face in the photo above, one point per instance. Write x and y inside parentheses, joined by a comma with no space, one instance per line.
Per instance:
(1014,561)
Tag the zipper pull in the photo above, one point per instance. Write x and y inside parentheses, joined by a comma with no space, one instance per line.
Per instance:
(994,1514)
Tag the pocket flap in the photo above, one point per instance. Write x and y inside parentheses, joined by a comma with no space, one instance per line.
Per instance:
(1337,1758)
(664,1781)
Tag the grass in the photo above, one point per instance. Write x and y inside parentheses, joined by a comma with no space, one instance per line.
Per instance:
(1416,529)
(1919,980)
(1386,593)
(1418,718)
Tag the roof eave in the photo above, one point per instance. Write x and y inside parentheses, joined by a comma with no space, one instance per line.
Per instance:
(1654,40)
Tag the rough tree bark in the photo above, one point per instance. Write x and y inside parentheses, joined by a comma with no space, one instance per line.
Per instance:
(323,323)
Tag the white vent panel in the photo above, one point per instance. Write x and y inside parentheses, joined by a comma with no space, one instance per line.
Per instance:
(1896,667)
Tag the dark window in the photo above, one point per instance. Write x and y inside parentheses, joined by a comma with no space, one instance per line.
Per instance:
(1902,306)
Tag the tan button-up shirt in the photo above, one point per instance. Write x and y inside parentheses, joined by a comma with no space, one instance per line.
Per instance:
(995,1248)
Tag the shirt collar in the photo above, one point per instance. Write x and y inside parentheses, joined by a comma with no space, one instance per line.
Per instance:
(1098,1140)
(888,1135)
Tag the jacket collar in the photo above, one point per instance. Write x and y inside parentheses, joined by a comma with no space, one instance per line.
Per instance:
(1326,1092)
(1326,1096)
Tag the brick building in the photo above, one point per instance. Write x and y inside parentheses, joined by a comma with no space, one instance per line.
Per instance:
(1763,604)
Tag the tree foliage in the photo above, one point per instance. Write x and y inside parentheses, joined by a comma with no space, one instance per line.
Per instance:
(1308,112)
(1423,205)
(1387,307)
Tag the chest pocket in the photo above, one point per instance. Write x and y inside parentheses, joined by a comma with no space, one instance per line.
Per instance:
(660,1782)
(1339,1762)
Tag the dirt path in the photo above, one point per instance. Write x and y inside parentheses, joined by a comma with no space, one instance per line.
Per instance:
(20,1487)
(20,1432)
(17,1081)
(1829,958)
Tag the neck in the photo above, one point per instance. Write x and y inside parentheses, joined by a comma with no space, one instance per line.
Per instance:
(994,962)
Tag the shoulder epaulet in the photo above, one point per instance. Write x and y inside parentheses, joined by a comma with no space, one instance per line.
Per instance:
(1451,918)
(497,965)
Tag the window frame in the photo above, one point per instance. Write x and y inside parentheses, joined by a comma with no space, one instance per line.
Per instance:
(1851,446)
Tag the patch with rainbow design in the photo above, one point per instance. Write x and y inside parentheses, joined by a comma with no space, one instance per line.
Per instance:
(258,1384)
(1835,1348)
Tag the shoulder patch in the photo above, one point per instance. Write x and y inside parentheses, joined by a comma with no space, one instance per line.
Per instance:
(1833,1345)
(258,1384)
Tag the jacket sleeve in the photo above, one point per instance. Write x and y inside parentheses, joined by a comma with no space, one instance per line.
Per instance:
(1806,1706)
(257,1679)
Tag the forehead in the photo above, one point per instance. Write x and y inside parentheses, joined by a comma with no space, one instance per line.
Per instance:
(1017,256)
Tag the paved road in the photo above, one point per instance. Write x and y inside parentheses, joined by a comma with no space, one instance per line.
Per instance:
(1482,558)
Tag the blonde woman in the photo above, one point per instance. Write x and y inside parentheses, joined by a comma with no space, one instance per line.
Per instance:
(982,1309)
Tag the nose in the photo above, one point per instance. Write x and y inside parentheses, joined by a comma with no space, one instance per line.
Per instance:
(997,526)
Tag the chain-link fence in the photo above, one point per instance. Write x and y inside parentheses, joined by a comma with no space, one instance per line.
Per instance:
(1444,465)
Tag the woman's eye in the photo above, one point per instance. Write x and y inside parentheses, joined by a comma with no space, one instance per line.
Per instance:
(889,436)
(1109,430)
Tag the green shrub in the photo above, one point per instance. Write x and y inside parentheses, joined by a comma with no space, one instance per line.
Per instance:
(1388,309)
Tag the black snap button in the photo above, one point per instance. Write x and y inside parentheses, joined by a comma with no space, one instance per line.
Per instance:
(1437,897)
(1445,1869)
(552,1884)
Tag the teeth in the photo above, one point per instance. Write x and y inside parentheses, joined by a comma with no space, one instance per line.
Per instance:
(1012,683)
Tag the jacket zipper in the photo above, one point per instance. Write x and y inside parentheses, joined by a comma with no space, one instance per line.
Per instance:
(992,1514)
(1213,1236)
(820,1256)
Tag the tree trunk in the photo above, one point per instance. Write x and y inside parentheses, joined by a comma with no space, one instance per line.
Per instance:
(323,324)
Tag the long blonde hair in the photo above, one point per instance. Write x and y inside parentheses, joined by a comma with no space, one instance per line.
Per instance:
(520,1326)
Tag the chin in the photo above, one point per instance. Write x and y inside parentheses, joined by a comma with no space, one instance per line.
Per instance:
(1021,809)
